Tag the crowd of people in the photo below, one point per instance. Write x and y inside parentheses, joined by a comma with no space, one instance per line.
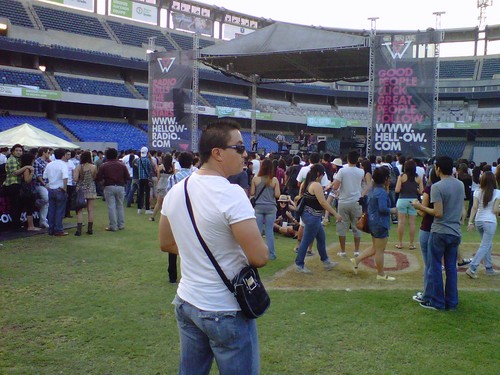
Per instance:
(239,197)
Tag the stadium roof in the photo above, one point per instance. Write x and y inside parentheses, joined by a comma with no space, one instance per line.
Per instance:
(292,53)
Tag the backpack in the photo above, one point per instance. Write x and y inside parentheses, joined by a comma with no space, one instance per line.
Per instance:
(393,176)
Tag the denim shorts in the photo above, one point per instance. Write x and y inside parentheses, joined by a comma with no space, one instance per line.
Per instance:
(404,206)
(379,232)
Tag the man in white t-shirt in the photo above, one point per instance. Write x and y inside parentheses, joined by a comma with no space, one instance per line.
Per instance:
(348,183)
(314,158)
(256,163)
(209,318)
(56,173)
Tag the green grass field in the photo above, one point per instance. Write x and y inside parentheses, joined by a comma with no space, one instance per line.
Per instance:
(101,305)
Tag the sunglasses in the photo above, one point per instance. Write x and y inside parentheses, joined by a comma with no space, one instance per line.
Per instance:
(240,149)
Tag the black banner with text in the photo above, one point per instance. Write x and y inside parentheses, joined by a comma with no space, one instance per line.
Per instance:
(403,99)
(170,79)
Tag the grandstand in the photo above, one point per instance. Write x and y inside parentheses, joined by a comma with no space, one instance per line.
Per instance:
(94,86)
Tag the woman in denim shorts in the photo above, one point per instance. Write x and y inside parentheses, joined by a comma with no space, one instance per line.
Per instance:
(379,215)
(409,186)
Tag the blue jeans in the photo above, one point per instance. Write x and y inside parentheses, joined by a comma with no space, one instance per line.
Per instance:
(226,335)
(57,206)
(443,245)
(266,214)
(312,230)
(133,188)
(487,231)
(425,248)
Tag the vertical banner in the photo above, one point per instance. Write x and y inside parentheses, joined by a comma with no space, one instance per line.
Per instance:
(170,79)
(403,98)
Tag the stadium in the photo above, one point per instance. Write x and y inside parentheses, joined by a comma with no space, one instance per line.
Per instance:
(83,77)
(101,304)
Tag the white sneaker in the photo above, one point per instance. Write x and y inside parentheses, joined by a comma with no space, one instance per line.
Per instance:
(356,254)
(149,212)
(305,270)
(328,264)
(139,211)
(341,254)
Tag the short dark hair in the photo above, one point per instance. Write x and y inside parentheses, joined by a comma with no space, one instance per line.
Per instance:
(380,175)
(17,145)
(389,159)
(352,157)
(111,153)
(215,135)
(59,153)
(445,164)
(42,150)
(296,160)
(314,158)
(185,159)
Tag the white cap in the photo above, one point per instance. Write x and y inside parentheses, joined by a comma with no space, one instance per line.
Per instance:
(144,151)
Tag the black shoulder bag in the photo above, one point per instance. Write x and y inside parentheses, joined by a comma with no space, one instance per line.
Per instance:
(246,285)
(253,200)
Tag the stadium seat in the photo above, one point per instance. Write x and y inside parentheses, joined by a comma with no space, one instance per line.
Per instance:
(15,12)
(70,22)
(93,86)
(21,77)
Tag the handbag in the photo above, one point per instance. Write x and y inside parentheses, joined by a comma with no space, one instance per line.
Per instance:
(253,200)
(78,200)
(246,285)
(362,223)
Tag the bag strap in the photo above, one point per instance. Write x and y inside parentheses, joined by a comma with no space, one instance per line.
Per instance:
(203,243)
(258,195)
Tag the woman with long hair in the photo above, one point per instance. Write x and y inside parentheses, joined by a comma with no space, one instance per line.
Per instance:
(409,186)
(464,176)
(314,206)
(164,171)
(379,220)
(483,217)
(425,231)
(28,183)
(84,176)
(476,175)
(366,183)
(266,189)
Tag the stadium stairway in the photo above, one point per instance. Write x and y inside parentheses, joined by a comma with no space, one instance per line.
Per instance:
(33,16)
(133,90)
(66,131)
(469,148)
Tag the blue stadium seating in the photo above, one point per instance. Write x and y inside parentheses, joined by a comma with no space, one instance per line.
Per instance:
(457,69)
(126,135)
(70,22)
(490,68)
(18,77)
(184,41)
(143,90)
(8,122)
(225,101)
(137,35)
(453,149)
(15,12)
(92,86)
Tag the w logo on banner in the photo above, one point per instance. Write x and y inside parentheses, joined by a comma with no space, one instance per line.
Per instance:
(165,63)
(397,48)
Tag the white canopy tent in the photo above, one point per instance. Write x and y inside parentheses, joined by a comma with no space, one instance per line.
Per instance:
(30,137)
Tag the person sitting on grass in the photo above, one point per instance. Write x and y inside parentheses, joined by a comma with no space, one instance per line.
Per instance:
(379,220)
(284,215)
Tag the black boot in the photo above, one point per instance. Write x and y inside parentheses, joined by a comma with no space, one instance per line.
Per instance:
(89,228)
(78,229)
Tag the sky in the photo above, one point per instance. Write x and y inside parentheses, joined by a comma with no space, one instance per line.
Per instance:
(393,14)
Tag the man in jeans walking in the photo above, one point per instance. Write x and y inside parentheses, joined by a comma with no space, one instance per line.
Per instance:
(114,176)
(447,196)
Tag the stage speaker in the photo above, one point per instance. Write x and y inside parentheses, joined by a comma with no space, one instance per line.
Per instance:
(321,146)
